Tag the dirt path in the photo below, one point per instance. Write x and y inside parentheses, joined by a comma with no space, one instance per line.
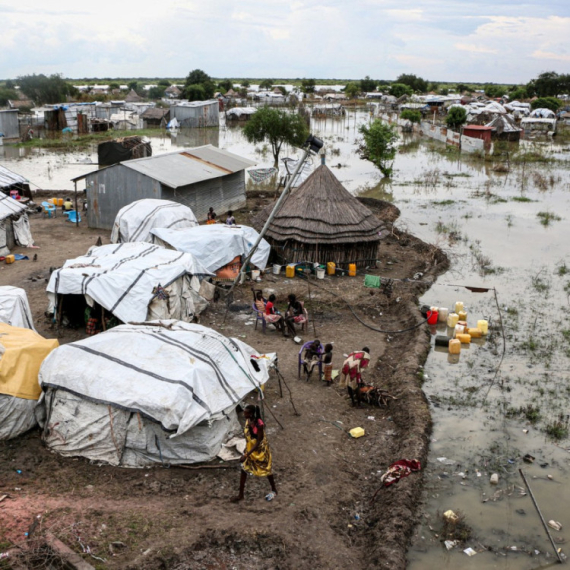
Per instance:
(323,516)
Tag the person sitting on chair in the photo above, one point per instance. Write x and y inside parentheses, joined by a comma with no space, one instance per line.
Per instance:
(311,357)
(272,315)
(67,205)
(294,314)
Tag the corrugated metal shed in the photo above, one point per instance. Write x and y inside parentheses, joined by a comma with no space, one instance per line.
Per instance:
(9,125)
(197,113)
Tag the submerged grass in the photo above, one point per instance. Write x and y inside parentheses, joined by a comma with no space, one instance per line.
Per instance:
(547,217)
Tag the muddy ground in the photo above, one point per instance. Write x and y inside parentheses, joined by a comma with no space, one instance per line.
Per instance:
(325,515)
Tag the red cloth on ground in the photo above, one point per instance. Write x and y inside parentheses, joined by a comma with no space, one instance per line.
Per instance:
(399,470)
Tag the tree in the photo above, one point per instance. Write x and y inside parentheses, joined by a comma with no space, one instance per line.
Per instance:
(308,85)
(266,84)
(518,93)
(367,85)
(399,89)
(9,84)
(199,86)
(114,85)
(245,83)
(133,85)
(276,126)
(225,84)
(352,89)
(495,91)
(156,92)
(418,84)
(43,89)
(164,83)
(5,95)
(461,88)
(411,115)
(195,92)
(379,145)
(549,84)
(198,77)
(546,103)
(456,117)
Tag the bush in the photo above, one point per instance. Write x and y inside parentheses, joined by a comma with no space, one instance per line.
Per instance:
(379,145)
(546,103)
(456,117)
(411,115)
(399,89)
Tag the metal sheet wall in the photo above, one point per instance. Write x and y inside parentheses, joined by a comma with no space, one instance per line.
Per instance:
(9,125)
(201,116)
(110,189)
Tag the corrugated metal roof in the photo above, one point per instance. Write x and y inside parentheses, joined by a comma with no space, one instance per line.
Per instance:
(186,166)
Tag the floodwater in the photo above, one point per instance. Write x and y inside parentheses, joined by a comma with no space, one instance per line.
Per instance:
(488,224)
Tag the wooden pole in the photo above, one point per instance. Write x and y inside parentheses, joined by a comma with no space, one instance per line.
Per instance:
(541,517)
(76,210)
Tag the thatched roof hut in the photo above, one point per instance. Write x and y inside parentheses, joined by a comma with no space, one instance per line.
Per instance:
(321,222)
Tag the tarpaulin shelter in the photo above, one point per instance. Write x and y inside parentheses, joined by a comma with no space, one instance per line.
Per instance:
(321,222)
(14,308)
(158,392)
(216,245)
(21,354)
(134,222)
(14,224)
(133,281)
(120,150)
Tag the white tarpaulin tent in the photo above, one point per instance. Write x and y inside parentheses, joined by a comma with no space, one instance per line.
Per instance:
(14,224)
(215,245)
(162,391)
(134,221)
(134,281)
(14,308)
(9,178)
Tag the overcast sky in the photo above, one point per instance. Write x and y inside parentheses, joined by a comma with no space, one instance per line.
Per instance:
(442,40)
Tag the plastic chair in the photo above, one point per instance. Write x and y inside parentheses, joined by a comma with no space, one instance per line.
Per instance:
(304,323)
(73,216)
(259,317)
(321,352)
(48,209)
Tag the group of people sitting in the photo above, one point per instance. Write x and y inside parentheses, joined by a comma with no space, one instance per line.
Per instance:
(212,216)
(282,322)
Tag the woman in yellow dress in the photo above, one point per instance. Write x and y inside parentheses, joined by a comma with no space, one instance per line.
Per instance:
(257,457)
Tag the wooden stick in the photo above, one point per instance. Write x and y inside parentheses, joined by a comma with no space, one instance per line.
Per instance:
(541,517)
(196,467)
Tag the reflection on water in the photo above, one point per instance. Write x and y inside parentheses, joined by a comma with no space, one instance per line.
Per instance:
(487,223)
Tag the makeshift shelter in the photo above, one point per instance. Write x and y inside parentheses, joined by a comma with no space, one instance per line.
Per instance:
(200,178)
(21,354)
(321,222)
(134,222)
(14,308)
(155,117)
(196,114)
(132,281)
(120,150)
(12,181)
(156,392)
(133,97)
(240,113)
(216,246)
(505,128)
(14,225)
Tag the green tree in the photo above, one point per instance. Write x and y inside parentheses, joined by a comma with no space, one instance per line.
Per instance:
(133,85)
(43,89)
(266,84)
(225,84)
(462,88)
(199,86)
(494,91)
(276,126)
(156,92)
(352,89)
(518,93)
(411,115)
(456,117)
(367,85)
(417,84)
(245,83)
(5,95)
(549,84)
(198,77)
(379,145)
(196,92)
(164,83)
(114,85)
(551,103)
(9,84)
(399,89)
(308,85)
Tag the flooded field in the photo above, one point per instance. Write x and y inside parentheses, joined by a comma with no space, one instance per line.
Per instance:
(506,231)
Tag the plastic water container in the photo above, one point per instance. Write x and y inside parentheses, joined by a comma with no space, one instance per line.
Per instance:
(462,315)
(255,273)
(356,432)
(352,269)
(432,317)
(454,346)
(442,340)
(459,329)
(483,326)
(290,271)
(459,306)
(452,320)
(320,273)
(462,323)
(443,314)
(331,267)
(10,259)
(60,202)
(276,269)
(475,333)
(464,338)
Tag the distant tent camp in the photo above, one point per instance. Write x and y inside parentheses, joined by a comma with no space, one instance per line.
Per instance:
(157,392)
(134,282)
(134,221)
(321,222)
(22,353)
(14,308)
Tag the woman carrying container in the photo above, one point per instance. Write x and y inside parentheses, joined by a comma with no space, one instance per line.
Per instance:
(257,457)
(352,375)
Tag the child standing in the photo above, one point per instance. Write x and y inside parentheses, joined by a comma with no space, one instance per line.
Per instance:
(327,362)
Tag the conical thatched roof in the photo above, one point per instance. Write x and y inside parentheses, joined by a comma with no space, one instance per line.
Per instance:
(133,97)
(322,211)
